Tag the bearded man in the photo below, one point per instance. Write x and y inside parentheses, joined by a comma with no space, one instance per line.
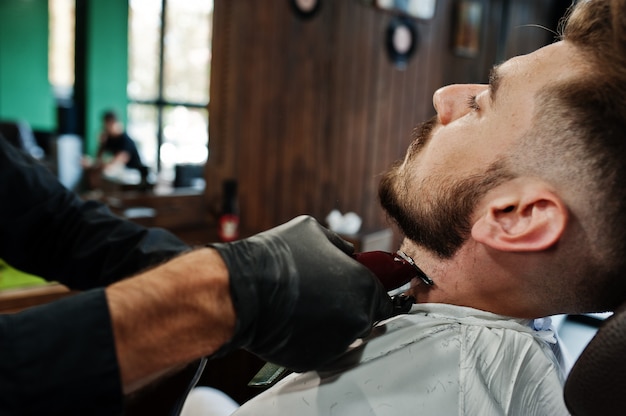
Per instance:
(511,200)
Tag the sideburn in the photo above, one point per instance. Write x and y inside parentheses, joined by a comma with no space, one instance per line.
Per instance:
(441,222)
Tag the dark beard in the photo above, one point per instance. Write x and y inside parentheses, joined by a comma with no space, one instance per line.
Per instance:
(440,222)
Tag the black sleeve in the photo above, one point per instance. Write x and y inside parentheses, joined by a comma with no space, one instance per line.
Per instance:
(59,359)
(48,231)
(127,144)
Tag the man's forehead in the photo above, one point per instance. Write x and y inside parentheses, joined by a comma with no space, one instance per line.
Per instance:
(553,63)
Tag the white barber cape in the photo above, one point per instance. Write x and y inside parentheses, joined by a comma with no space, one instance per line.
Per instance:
(437,360)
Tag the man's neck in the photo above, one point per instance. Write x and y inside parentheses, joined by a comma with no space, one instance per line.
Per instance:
(470,278)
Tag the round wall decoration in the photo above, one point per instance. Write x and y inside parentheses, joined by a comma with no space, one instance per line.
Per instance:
(305,8)
(401,40)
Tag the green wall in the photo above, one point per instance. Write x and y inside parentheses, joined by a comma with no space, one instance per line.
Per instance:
(25,92)
(102,27)
(101,64)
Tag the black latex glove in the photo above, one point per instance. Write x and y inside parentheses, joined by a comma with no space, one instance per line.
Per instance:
(300,299)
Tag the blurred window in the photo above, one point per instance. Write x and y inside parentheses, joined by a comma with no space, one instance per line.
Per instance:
(61,46)
(168,84)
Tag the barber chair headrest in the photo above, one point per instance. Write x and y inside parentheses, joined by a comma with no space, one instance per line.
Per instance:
(596,384)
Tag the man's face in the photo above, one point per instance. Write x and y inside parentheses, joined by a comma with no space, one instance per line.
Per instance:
(111,126)
(462,153)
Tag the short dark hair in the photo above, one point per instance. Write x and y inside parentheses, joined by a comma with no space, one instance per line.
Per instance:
(596,109)
(109,115)
(578,141)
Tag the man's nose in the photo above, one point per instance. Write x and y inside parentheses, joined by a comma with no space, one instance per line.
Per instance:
(452,102)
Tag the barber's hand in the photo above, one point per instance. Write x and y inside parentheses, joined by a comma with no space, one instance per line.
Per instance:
(300,299)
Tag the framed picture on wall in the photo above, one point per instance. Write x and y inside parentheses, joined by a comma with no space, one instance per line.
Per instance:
(467,28)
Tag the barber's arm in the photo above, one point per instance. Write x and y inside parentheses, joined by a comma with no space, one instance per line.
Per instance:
(60,358)
(290,295)
(48,231)
(121,158)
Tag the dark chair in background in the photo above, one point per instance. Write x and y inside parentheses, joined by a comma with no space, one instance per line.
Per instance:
(60,153)
(188,175)
(20,134)
(596,384)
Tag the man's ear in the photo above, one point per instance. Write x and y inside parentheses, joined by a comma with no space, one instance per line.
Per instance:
(521,217)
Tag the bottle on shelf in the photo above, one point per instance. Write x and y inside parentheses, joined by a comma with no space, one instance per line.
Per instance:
(228,227)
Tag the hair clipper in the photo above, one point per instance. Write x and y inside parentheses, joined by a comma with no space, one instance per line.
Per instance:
(393,271)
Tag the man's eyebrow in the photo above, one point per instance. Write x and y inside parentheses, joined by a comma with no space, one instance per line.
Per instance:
(494,82)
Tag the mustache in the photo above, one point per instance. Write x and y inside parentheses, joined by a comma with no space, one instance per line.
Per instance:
(420,135)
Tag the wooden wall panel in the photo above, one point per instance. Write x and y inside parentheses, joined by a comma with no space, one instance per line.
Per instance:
(307,113)
(531,26)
